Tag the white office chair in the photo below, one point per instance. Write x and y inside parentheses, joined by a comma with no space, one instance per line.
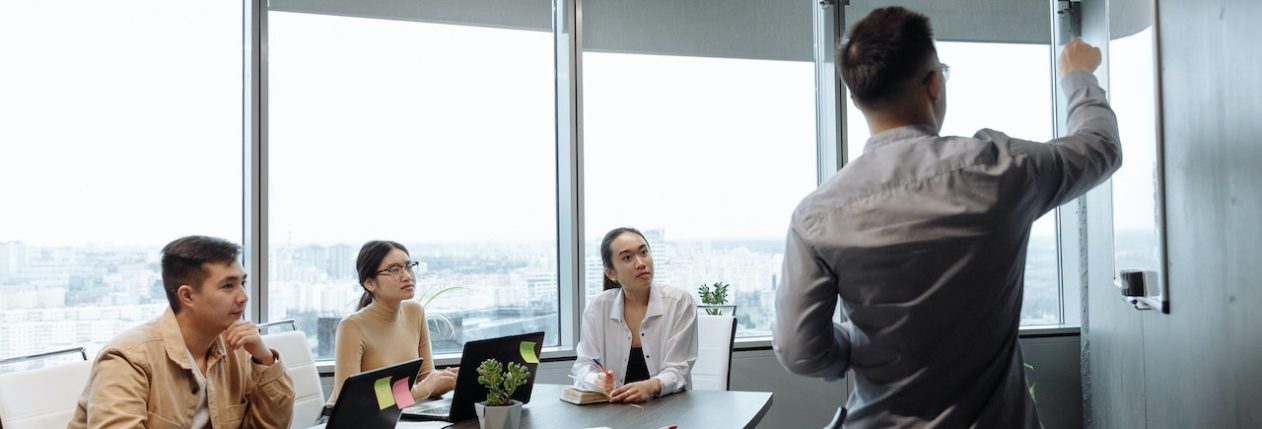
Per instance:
(44,397)
(295,352)
(715,337)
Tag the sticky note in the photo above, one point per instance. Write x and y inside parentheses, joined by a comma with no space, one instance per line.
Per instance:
(382,387)
(402,394)
(528,352)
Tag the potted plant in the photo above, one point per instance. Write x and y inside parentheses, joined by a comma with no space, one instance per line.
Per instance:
(500,410)
(713,295)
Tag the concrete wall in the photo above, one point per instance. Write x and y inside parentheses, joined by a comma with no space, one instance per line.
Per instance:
(801,402)
(1201,365)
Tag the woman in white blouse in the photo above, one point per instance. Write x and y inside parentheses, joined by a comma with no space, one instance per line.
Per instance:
(638,340)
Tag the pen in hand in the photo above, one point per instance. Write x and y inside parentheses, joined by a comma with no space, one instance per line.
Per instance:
(602,368)
(607,376)
(609,383)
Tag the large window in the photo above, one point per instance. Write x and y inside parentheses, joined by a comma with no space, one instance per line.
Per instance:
(120,130)
(699,131)
(437,136)
(122,124)
(708,157)
(1014,97)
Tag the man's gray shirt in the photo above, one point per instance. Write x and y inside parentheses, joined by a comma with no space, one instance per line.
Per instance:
(923,238)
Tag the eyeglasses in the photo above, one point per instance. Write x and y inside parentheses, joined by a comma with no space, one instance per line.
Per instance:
(945,69)
(398,270)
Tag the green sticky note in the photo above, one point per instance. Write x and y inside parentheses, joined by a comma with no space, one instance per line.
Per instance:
(528,352)
(385,398)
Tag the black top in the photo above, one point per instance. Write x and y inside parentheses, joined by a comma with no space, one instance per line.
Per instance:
(637,370)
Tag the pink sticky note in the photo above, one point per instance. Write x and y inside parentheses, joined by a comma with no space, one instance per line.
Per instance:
(402,394)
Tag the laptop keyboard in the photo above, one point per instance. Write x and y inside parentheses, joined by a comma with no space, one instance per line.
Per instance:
(441,410)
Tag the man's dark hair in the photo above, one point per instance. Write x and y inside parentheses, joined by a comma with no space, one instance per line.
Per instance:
(885,52)
(182,261)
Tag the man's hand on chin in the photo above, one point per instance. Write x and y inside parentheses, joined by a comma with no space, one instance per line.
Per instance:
(245,335)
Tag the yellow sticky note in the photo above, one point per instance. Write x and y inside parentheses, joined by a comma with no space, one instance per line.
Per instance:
(528,352)
(385,398)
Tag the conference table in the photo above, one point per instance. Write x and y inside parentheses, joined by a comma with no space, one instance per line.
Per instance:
(701,409)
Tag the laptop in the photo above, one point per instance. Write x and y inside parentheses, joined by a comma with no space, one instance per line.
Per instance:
(367,400)
(523,349)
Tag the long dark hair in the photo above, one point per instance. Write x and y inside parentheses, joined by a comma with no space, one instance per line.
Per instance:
(606,254)
(370,257)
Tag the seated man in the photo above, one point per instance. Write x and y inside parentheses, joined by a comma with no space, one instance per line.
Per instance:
(196,365)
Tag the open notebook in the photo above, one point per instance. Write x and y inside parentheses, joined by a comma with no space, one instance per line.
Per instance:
(578,396)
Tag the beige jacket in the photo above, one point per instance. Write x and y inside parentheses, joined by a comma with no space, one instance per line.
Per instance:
(144,378)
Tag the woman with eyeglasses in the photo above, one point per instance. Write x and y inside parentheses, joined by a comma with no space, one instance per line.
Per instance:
(639,340)
(387,327)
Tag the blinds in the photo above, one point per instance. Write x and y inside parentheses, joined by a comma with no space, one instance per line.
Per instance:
(752,29)
(1003,21)
(1127,17)
(515,14)
(758,29)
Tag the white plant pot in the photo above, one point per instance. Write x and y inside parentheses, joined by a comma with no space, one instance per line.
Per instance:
(499,417)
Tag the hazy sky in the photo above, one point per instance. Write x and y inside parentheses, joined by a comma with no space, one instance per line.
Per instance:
(1013,96)
(418,132)
(119,121)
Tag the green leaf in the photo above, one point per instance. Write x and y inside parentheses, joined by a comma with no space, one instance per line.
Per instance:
(501,384)
(426,300)
(713,295)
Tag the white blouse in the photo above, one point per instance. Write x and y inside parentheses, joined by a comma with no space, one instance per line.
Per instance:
(668,337)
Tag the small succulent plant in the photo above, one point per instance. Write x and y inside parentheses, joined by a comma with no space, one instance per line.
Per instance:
(501,384)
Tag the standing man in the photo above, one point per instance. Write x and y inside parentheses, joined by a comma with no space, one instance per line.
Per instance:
(923,238)
(196,366)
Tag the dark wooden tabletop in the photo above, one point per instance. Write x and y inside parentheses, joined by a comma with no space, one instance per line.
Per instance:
(700,409)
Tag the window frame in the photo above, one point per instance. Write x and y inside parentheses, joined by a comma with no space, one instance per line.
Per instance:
(1070,219)
(829,26)
(831,148)
(61,262)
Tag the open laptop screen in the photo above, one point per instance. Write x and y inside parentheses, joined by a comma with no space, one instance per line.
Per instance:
(523,349)
(368,399)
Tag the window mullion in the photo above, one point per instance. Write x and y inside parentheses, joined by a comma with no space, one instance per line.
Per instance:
(254,140)
(567,32)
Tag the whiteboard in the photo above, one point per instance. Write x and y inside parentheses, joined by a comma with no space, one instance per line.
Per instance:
(1138,198)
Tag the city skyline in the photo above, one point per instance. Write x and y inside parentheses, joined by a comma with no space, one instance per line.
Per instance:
(85,295)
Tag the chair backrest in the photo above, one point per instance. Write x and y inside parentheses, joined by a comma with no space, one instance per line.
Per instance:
(715,337)
(295,352)
(44,397)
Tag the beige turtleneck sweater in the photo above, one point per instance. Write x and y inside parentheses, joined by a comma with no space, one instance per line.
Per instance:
(376,337)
